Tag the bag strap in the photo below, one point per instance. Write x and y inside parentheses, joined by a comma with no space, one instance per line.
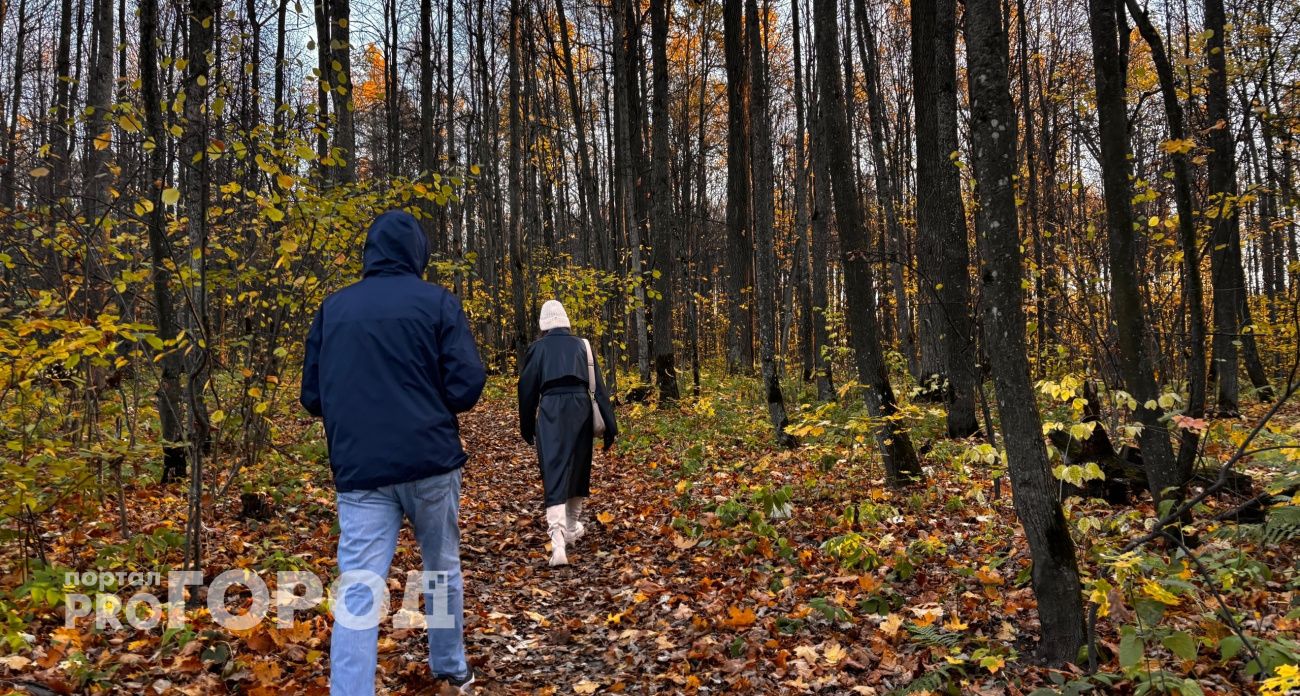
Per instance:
(591,370)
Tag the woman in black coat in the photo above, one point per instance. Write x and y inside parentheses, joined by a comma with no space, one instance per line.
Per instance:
(555,397)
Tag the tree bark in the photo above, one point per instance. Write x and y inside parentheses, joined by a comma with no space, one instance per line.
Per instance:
(803,256)
(900,459)
(664,220)
(1191,266)
(8,192)
(345,135)
(887,196)
(1231,313)
(764,223)
(1055,570)
(739,249)
(947,339)
(819,251)
(519,341)
(321,9)
(196,183)
(170,407)
(1126,302)
(281,17)
(60,147)
(98,174)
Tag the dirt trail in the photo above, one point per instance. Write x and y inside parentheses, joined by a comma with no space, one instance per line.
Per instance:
(529,626)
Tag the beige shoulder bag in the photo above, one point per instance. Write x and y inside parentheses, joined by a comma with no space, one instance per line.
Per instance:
(597,421)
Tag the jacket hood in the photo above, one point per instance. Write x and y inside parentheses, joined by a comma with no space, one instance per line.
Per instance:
(395,245)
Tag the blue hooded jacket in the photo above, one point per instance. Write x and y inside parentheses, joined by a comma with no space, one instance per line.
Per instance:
(390,362)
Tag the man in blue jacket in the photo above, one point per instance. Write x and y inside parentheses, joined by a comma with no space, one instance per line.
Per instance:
(389,363)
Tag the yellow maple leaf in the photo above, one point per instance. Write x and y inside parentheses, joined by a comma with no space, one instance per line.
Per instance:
(993,663)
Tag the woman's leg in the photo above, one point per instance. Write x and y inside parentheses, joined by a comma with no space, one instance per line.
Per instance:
(573,515)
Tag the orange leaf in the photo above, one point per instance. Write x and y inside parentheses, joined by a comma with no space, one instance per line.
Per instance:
(739,618)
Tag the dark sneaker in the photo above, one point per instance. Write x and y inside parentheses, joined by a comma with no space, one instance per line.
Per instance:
(464,684)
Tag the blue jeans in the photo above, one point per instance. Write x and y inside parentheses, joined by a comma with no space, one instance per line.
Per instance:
(369,522)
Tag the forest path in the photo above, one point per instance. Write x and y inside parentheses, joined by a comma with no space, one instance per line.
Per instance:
(530,628)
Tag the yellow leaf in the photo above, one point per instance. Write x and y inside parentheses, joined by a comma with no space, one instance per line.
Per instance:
(285,181)
(39,172)
(128,123)
(103,140)
(171,196)
(585,687)
(834,653)
(891,624)
(605,517)
(1156,591)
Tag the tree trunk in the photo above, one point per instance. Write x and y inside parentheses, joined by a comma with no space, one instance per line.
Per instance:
(896,446)
(281,17)
(664,221)
(947,340)
(1126,302)
(454,210)
(98,173)
(519,342)
(802,257)
(587,186)
(425,141)
(739,248)
(60,146)
(1231,313)
(345,136)
(1055,571)
(196,185)
(170,408)
(819,251)
(764,223)
(886,191)
(8,192)
(322,15)
(1191,266)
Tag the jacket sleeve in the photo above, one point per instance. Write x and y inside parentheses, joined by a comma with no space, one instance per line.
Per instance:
(310,394)
(603,403)
(461,372)
(530,393)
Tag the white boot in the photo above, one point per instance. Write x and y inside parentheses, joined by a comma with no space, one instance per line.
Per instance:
(557,528)
(573,511)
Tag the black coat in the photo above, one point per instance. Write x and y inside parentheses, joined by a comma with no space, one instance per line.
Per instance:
(555,413)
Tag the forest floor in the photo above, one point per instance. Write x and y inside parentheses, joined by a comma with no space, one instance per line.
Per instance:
(712,563)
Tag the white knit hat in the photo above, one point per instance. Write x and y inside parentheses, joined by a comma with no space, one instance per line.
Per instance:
(553,316)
